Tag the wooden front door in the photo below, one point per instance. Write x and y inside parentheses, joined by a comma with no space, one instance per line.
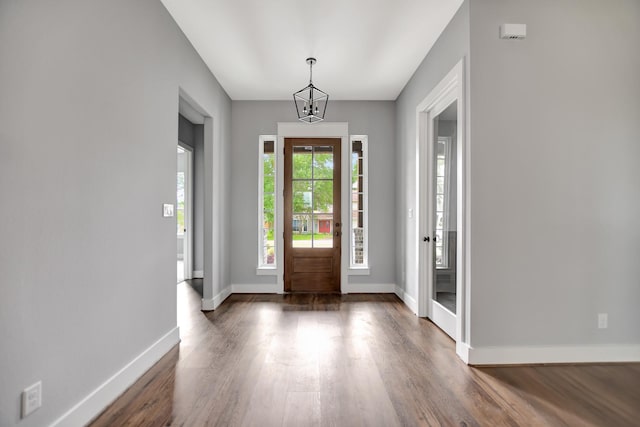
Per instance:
(311,201)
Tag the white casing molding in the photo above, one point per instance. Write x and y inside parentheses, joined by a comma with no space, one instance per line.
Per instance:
(553,354)
(96,401)
(369,288)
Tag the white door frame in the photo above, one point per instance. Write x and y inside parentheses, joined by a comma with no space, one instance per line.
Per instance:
(316,130)
(450,89)
(188,211)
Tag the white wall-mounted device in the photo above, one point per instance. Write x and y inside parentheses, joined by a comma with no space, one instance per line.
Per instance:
(513,31)
(167,210)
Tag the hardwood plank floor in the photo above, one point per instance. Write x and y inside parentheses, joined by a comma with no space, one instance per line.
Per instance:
(353,360)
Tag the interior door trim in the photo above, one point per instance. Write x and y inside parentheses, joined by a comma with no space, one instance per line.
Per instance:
(451,88)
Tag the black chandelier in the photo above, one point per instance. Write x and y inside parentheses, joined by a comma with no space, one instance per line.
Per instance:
(311,102)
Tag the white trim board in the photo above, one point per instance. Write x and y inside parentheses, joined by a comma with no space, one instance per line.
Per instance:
(212,304)
(553,354)
(96,401)
(369,288)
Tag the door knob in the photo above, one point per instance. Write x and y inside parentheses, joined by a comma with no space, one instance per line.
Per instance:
(426,239)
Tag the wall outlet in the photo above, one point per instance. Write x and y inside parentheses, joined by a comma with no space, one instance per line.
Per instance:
(603,321)
(167,210)
(31,398)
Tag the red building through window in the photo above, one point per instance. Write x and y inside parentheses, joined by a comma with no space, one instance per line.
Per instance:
(324,226)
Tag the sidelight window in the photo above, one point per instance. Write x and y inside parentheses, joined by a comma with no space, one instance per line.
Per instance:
(359,202)
(267,202)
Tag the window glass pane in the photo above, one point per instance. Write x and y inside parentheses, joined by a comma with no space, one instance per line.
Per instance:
(269,184)
(354,171)
(301,236)
(357,203)
(438,255)
(439,220)
(323,231)
(440,166)
(440,185)
(302,196)
(270,253)
(302,158)
(268,208)
(323,196)
(268,147)
(439,202)
(323,163)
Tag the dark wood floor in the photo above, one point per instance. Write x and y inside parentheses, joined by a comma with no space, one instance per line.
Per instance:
(353,360)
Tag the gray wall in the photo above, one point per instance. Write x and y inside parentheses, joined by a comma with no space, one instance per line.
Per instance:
(555,131)
(193,136)
(253,118)
(185,131)
(88,127)
(448,50)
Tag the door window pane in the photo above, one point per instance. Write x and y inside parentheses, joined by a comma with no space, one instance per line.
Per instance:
(302,160)
(323,163)
(444,178)
(312,199)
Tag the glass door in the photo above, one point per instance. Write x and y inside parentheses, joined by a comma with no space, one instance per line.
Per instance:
(312,215)
(444,219)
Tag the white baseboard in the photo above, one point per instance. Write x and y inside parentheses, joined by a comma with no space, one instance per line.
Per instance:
(266,288)
(92,405)
(212,304)
(198,274)
(408,300)
(553,354)
(369,288)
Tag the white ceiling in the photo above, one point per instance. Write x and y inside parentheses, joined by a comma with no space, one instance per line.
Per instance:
(366,49)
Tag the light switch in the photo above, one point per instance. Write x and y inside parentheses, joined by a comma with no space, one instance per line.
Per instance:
(167,210)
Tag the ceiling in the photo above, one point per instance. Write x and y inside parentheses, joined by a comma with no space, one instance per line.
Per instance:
(366,49)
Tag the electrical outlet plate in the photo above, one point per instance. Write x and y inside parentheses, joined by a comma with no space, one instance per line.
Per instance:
(31,398)
(603,321)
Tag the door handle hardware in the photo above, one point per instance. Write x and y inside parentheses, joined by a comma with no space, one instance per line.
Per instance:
(426,239)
